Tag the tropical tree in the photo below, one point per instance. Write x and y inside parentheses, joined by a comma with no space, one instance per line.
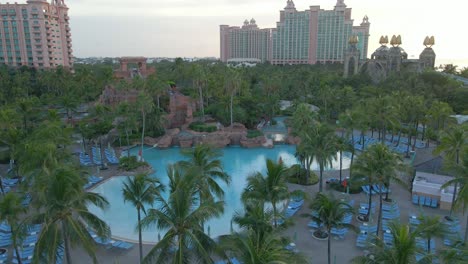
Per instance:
(66,216)
(402,251)
(203,161)
(456,254)
(303,119)
(271,188)
(250,248)
(145,104)
(377,165)
(141,190)
(461,178)
(452,143)
(11,211)
(321,142)
(330,212)
(232,85)
(430,227)
(181,216)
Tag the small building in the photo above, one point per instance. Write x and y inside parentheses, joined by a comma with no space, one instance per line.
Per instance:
(429,185)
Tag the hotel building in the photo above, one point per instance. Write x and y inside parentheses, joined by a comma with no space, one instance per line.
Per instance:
(248,43)
(300,37)
(35,34)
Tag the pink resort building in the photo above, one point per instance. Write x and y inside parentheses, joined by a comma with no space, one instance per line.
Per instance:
(300,37)
(36,34)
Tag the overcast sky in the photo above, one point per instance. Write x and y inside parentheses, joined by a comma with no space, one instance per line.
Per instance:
(189,28)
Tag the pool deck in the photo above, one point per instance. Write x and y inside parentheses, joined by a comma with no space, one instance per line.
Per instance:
(315,251)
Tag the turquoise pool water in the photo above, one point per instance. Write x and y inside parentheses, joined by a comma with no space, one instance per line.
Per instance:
(238,162)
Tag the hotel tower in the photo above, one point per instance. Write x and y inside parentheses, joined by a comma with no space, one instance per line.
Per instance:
(35,34)
(300,37)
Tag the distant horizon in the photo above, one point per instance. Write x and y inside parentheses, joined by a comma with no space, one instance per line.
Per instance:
(184,28)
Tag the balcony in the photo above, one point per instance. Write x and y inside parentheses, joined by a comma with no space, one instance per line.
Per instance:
(68,34)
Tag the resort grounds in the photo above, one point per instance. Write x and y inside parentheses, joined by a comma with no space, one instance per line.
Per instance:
(343,250)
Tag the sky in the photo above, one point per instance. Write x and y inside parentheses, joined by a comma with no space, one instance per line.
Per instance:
(190,28)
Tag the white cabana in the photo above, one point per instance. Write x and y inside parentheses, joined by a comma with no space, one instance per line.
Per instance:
(429,185)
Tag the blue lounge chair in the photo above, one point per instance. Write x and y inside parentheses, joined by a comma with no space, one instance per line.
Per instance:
(422,200)
(434,203)
(428,201)
(415,199)
(122,245)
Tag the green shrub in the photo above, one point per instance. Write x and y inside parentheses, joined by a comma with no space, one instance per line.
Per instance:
(254,133)
(353,188)
(297,175)
(130,163)
(202,127)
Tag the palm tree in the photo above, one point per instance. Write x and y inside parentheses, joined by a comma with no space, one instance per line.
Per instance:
(11,210)
(255,217)
(181,215)
(322,141)
(303,118)
(461,178)
(330,213)
(377,165)
(66,216)
(272,188)
(403,251)
(429,227)
(232,85)
(452,143)
(146,105)
(343,145)
(203,160)
(140,190)
(456,254)
(249,248)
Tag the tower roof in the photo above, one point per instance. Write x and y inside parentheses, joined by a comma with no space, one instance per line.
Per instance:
(290,5)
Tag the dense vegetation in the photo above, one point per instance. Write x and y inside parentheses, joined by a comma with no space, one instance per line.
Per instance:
(37,131)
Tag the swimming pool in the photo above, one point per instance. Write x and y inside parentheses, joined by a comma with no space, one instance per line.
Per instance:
(238,162)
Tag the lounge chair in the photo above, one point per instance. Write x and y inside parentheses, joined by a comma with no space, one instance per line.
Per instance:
(434,203)
(415,199)
(428,201)
(122,245)
(422,200)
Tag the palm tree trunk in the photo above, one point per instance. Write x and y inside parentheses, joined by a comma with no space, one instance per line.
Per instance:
(351,163)
(67,244)
(232,100)
(200,90)
(370,201)
(128,143)
(139,236)
(453,198)
(379,219)
(15,246)
(429,245)
(399,137)
(329,246)
(466,229)
(274,213)
(143,134)
(341,163)
(321,178)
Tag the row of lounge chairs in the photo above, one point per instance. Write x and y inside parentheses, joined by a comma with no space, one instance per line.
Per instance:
(109,243)
(364,208)
(92,180)
(367,231)
(426,201)
(390,211)
(452,236)
(86,160)
(294,206)
(401,148)
(26,249)
(376,189)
